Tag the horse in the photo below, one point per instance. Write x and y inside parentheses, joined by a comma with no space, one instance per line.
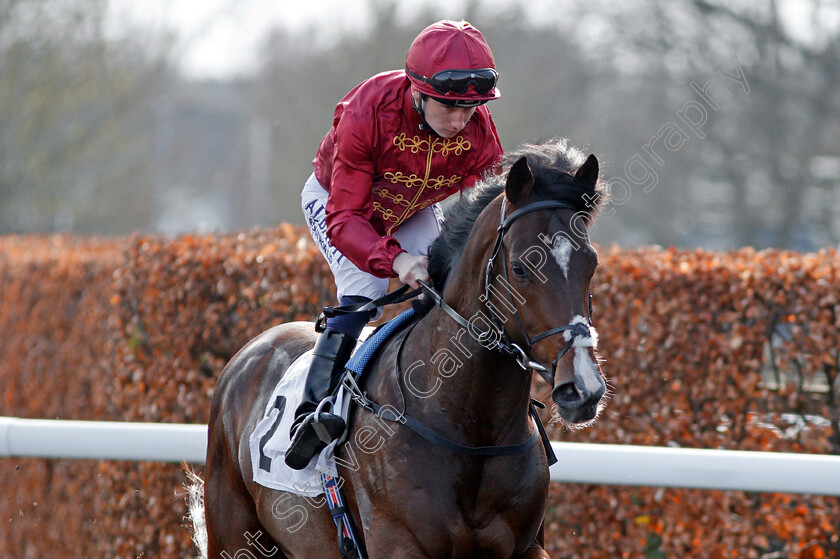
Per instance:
(514,256)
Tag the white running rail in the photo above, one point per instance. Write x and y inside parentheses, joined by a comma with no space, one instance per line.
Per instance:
(102,440)
(773,472)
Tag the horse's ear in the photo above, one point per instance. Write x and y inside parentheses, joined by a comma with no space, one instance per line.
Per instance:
(588,172)
(519,181)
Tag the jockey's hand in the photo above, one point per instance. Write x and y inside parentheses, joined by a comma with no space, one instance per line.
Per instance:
(411,269)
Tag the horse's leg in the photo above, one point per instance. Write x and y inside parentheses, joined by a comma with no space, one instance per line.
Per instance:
(535,550)
(393,540)
(303,525)
(232,524)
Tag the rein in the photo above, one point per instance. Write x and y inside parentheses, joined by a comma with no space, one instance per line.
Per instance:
(504,344)
(397,296)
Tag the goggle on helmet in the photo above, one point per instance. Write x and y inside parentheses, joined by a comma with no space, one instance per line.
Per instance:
(452,63)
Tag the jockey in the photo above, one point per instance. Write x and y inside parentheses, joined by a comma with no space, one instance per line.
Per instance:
(400,142)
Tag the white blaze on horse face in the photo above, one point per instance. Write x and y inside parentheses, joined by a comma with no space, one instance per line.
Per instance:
(562,253)
(583,363)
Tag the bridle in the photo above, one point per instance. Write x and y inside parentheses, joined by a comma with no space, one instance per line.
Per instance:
(505,343)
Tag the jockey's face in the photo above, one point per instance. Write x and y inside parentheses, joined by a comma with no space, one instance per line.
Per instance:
(445,120)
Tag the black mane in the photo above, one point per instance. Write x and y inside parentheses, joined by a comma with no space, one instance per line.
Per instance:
(553,164)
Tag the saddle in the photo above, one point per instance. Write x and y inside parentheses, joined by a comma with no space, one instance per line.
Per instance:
(270,438)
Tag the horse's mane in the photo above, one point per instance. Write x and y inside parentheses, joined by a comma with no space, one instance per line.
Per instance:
(553,163)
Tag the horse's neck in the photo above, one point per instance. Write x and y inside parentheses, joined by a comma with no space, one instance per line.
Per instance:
(478,390)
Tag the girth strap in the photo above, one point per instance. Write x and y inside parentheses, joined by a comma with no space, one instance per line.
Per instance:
(348,543)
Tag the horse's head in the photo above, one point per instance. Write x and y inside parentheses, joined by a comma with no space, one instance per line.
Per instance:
(534,283)
(539,279)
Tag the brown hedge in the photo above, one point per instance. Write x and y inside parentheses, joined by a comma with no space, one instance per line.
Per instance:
(707,350)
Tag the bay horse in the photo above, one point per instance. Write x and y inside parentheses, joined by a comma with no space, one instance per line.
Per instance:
(514,256)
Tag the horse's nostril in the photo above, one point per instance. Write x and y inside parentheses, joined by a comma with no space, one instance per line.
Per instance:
(566,393)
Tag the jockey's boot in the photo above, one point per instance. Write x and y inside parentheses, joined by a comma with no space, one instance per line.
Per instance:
(310,434)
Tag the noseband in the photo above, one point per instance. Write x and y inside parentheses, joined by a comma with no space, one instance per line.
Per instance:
(506,344)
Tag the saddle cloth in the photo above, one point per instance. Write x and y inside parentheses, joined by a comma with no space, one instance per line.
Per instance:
(270,438)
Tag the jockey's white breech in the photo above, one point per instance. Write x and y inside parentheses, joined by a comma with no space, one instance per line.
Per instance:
(415,236)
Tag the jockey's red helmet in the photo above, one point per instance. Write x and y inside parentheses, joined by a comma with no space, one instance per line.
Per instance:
(451,61)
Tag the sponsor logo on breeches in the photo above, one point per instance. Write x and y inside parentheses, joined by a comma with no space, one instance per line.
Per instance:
(316,218)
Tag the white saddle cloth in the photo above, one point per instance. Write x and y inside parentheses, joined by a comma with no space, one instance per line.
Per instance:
(270,439)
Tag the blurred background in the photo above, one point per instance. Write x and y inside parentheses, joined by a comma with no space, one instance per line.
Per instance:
(717,122)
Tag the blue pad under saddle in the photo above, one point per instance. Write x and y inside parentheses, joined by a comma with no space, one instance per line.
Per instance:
(370,346)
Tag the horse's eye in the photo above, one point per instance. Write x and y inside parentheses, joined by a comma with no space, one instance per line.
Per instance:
(519,270)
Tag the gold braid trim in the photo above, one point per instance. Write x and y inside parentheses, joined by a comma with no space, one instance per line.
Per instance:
(387,213)
(414,181)
(416,144)
(444,146)
(395,198)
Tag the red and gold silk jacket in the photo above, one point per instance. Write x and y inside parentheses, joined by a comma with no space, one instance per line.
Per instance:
(380,167)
